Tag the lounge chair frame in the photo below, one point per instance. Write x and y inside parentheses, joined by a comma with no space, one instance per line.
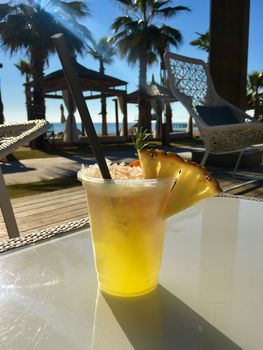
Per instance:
(191,84)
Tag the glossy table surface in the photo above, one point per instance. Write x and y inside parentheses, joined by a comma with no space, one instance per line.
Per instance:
(210,294)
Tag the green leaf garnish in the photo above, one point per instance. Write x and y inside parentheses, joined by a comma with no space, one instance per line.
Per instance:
(140,140)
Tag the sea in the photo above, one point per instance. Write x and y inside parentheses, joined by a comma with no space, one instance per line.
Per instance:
(60,127)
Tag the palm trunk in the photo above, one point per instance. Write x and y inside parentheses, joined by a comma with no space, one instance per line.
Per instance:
(28,99)
(256,112)
(2,118)
(144,105)
(169,116)
(258,109)
(104,127)
(102,69)
(104,115)
(260,113)
(38,109)
(37,63)
(190,126)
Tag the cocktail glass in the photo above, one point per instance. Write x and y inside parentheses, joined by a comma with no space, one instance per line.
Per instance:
(127,227)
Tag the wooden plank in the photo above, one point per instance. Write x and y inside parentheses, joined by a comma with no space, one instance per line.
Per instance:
(40,211)
(16,202)
(250,190)
(50,215)
(46,220)
(51,204)
(29,223)
(240,186)
(49,201)
(257,193)
(49,207)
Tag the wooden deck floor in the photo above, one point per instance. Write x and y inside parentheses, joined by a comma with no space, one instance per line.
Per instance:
(37,212)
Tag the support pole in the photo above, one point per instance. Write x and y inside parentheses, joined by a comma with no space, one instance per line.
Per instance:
(117,117)
(125,119)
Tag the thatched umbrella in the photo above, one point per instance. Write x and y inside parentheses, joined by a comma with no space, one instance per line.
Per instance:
(90,80)
(158,95)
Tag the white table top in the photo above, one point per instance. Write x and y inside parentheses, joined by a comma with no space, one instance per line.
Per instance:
(209,297)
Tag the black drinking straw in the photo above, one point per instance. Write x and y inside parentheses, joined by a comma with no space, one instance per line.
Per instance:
(68,64)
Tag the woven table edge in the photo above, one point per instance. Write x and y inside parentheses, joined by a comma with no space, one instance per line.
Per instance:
(43,235)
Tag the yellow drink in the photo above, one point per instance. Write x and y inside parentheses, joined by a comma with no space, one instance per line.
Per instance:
(127,229)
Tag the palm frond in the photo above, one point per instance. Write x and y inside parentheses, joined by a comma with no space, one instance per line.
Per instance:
(121,22)
(158,4)
(202,42)
(103,50)
(5,10)
(24,67)
(169,12)
(80,8)
(126,3)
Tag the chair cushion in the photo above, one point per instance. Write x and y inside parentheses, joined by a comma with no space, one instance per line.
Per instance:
(217,115)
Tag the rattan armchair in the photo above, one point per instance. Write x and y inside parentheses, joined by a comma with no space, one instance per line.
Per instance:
(190,82)
(13,136)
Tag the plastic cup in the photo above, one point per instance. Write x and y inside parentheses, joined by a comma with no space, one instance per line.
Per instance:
(127,227)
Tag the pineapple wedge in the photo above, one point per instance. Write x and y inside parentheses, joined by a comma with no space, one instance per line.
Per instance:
(193,182)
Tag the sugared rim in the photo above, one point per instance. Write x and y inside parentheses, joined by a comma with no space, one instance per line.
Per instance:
(127,182)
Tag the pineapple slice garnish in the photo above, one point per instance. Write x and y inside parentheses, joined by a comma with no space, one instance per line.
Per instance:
(193,182)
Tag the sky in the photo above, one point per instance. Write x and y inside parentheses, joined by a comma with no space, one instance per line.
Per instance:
(103,13)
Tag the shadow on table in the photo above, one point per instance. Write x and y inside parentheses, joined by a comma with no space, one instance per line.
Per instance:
(160,321)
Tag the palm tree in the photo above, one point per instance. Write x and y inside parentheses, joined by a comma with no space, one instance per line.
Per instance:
(28,25)
(202,42)
(26,70)
(103,51)
(255,94)
(140,38)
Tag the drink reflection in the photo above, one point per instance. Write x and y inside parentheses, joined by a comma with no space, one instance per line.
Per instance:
(156,321)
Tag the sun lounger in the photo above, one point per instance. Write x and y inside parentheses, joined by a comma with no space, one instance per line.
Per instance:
(13,136)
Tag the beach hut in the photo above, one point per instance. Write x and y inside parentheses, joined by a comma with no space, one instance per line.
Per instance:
(91,81)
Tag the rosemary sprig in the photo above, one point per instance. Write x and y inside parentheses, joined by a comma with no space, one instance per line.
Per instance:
(140,139)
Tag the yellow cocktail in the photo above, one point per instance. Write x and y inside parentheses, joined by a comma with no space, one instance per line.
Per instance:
(128,216)
(127,229)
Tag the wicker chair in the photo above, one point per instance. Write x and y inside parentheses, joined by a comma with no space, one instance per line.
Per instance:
(13,136)
(190,82)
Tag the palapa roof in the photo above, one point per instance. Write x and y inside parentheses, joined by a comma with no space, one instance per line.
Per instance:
(90,80)
(152,90)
